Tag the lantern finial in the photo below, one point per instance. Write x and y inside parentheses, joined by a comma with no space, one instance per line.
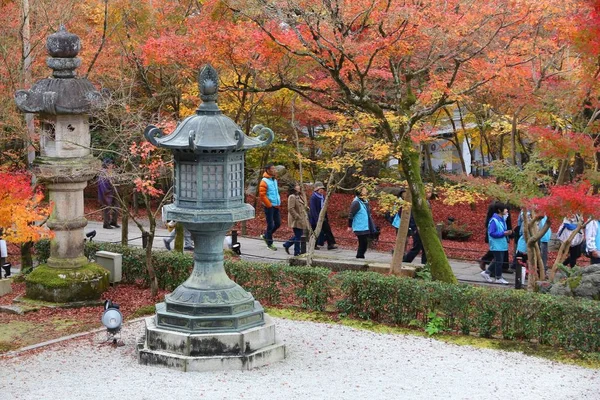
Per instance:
(208,83)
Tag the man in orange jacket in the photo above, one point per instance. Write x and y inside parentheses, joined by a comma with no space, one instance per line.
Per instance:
(268,192)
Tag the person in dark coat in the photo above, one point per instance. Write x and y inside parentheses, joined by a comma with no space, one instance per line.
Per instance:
(106,196)
(316,204)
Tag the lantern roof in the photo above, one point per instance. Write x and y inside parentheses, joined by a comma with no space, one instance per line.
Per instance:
(208,130)
(63,93)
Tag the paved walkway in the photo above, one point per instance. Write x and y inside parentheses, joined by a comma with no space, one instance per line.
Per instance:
(255,249)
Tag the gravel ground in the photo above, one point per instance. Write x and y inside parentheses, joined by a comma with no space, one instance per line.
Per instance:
(324,362)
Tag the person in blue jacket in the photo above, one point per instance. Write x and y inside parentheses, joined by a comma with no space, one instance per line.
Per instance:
(498,241)
(360,220)
(268,192)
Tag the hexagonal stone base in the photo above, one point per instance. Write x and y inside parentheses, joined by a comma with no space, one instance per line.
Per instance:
(243,350)
(250,316)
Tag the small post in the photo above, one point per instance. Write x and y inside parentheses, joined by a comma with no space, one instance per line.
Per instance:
(144,239)
(303,244)
(518,275)
(234,239)
(438,228)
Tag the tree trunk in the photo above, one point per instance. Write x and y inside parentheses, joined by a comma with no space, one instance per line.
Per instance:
(440,267)
(564,248)
(401,238)
(562,172)
(149,265)
(179,237)
(429,166)
(312,241)
(456,141)
(532,236)
(26,258)
(513,141)
(125,203)
(27,80)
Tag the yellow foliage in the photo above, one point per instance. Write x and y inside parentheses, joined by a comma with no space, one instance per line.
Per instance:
(459,194)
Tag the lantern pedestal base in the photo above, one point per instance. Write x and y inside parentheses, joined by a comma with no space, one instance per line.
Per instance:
(66,285)
(244,350)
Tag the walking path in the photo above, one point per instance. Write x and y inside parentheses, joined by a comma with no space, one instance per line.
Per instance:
(255,249)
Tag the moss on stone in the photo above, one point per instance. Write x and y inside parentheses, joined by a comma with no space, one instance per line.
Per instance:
(574,282)
(62,285)
(65,277)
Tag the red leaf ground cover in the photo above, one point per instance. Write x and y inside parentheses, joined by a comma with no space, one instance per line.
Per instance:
(50,323)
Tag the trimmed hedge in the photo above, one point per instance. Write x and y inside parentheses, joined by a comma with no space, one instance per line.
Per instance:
(304,286)
(467,309)
(510,314)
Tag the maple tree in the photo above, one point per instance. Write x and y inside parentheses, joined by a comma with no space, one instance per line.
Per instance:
(22,209)
(140,170)
(407,65)
(566,200)
(398,61)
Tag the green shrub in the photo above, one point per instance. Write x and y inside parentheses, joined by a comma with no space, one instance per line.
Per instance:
(456,231)
(467,309)
(42,250)
(307,286)
(171,267)
(510,314)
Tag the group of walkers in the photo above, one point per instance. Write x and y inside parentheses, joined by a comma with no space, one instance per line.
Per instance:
(499,231)
(301,216)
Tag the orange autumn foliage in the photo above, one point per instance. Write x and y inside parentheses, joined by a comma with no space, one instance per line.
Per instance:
(21,209)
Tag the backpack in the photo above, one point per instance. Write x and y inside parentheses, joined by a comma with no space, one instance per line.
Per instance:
(564,233)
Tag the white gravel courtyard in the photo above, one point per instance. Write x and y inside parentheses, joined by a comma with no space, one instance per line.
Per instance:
(323,362)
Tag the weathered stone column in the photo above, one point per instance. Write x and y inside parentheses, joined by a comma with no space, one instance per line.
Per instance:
(62,103)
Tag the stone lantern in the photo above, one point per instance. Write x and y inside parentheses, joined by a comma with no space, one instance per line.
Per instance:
(209,322)
(62,103)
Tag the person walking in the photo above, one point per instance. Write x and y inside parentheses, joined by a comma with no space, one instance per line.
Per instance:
(417,246)
(396,218)
(188,243)
(268,192)
(592,241)
(565,230)
(488,257)
(3,255)
(316,205)
(106,196)
(296,218)
(498,242)
(360,220)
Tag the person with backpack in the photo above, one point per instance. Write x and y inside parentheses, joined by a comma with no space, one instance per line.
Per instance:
(592,241)
(564,232)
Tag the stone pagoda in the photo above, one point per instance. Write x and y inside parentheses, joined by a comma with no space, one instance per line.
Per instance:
(62,103)
(209,322)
